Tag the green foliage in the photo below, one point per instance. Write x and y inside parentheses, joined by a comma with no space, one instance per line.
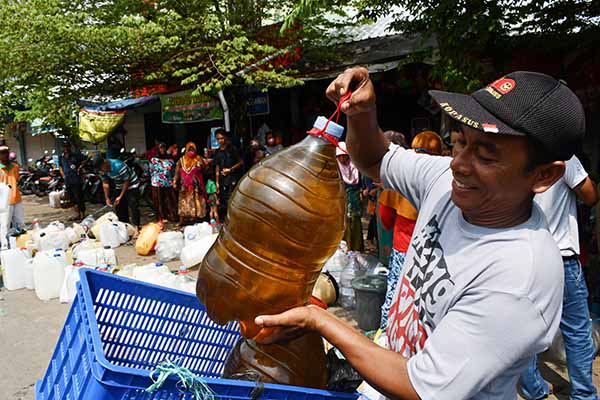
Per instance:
(472,32)
(55,52)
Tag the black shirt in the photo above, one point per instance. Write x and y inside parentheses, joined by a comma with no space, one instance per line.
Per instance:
(227,158)
(69,164)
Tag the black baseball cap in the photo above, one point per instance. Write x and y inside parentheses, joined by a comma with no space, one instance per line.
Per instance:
(525,104)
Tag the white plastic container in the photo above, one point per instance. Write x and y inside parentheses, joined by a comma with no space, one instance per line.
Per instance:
(169,246)
(29,283)
(4,197)
(155,273)
(193,253)
(69,288)
(195,232)
(96,256)
(109,236)
(52,237)
(107,218)
(49,273)
(185,281)
(54,198)
(14,262)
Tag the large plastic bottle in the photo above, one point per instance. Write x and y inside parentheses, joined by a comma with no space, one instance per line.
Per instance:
(286,218)
(298,362)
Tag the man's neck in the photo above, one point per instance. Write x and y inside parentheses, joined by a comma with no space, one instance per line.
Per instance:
(500,219)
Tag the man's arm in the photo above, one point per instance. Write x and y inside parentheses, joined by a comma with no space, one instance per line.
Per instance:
(365,141)
(124,189)
(106,189)
(586,191)
(384,369)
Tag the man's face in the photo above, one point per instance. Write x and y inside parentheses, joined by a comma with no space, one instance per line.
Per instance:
(220,140)
(490,182)
(105,167)
(66,149)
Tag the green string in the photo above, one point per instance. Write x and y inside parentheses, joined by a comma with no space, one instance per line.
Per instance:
(187,379)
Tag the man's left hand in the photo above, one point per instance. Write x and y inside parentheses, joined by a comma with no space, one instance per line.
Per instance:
(117,201)
(286,326)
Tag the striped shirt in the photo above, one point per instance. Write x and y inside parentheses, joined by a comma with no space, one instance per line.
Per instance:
(119,173)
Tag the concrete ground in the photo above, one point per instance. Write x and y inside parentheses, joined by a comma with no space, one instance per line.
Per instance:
(29,328)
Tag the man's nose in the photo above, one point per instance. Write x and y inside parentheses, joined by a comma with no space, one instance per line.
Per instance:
(462,162)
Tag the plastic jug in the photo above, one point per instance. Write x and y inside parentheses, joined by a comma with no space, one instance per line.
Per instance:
(4,197)
(54,198)
(107,218)
(286,218)
(68,290)
(29,283)
(195,232)
(48,273)
(109,235)
(353,270)
(169,245)
(193,253)
(185,281)
(14,262)
(147,239)
(287,364)
(52,238)
(96,256)
(23,239)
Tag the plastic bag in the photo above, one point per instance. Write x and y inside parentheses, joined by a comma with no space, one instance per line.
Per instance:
(342,376)
(169,246)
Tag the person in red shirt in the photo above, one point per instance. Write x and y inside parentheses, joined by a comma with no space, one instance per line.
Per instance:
(397,212)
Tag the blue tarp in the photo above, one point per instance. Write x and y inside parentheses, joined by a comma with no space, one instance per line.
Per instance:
(121,105)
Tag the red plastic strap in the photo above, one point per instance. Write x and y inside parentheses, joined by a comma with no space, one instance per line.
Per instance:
(336,114)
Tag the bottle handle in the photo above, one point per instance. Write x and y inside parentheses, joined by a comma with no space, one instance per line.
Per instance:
(336,114)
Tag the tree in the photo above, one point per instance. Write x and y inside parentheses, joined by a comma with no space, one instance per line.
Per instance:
(469,33)
(55,52)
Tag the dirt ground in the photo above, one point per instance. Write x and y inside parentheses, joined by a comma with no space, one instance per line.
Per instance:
(29,328)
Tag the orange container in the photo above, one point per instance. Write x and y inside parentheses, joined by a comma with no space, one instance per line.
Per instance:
(147,239)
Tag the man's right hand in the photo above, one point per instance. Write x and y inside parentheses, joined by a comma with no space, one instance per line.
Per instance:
(108,202)
(363,93)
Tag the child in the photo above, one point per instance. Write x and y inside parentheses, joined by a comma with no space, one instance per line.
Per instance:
(213,200)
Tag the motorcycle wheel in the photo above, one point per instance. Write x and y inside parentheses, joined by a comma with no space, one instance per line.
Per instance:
(39,191)
(26,188)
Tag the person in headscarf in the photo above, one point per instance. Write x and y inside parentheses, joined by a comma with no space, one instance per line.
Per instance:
(351,178)
(397,213)
(162,171)
(192,196)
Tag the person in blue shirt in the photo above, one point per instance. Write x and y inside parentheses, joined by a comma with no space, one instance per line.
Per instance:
(126,183)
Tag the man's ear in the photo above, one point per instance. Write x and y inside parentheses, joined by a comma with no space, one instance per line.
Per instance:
(546,175)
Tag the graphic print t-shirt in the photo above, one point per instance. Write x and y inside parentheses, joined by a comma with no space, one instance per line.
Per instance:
(473,304)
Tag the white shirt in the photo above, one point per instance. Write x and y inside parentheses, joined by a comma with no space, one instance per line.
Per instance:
(559,203)
(473,304)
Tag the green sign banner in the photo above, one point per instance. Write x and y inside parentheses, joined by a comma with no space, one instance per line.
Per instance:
(183,108)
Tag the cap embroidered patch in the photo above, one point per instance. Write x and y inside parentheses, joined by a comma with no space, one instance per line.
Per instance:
(504,85)
(490,128)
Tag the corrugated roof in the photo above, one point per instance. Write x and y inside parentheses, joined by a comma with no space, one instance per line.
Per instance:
(377,29)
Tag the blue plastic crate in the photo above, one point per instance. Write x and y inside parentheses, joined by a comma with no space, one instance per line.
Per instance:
(119,329)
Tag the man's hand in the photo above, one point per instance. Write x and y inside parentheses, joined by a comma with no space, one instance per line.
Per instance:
(226,171)
(363,92)
(108,202)
(117,201)
(286,326)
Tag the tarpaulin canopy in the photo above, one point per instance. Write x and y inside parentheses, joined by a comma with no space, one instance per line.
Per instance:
(121,105)
(95,126)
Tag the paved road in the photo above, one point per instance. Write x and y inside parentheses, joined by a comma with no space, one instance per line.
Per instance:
(29,328)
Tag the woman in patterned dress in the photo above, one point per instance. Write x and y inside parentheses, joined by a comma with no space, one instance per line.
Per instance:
(192,195)
(162,170)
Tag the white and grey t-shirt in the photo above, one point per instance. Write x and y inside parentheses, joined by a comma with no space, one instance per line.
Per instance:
(559,204)
(473,304)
